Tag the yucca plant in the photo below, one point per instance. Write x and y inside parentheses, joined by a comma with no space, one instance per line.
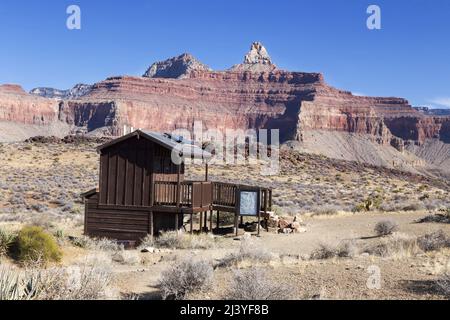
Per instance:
(15,286)
(9,285)
(6,241)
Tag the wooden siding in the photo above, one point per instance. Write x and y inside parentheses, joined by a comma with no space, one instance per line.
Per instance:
(114,222)
(128,169)
(125,224)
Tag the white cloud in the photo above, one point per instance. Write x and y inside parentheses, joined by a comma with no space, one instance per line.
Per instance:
(442,101)
(359,94)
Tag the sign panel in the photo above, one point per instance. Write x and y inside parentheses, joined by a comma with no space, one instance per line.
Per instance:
(248,203)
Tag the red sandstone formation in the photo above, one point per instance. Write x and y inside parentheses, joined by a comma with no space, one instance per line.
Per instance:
(18,106)
(254,94)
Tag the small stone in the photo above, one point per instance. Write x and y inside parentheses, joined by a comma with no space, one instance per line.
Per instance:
(365,254)
(148,250)
(300,230)
(285,230)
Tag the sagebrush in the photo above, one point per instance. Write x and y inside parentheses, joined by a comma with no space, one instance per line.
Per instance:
(185,277)
(254,284)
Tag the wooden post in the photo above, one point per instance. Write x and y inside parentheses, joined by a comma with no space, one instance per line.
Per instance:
(259,222)
(86,215)
(178,196)
(236,224)
(211,221)
(206,221)
(206,172)
(192,223)
(217,222)
(178,185)
(151,231)
(176,222)
(201,222)
(265,210)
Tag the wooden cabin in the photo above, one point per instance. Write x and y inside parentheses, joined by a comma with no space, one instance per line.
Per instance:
(143,191)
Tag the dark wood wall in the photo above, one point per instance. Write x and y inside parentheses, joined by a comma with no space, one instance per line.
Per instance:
(124,224)
(127,170)
(101,222)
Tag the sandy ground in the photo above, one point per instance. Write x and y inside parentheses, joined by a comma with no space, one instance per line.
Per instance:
(339,278)
(41,184)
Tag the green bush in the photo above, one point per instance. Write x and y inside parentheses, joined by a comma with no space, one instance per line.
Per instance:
(35,245)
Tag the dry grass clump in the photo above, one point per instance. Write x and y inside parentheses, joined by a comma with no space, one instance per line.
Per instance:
(402,245)
(182,240)
(254,284)
(81,282)
(102,244)
(385,228)
(185,277)
(397,245)
(433,241)
(345,249)
(249,250)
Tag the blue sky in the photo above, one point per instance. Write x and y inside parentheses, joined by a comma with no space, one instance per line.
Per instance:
(408,57)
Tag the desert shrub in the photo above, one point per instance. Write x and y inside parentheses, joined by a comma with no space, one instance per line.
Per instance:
(254,284)
(102,244)
(436,218)
(249,250)
(181,240)
(185,277)
(413,206)
(34,244)
(385,228)
(443,283)
(83,282)
(396,245)
(82,242)
(146,242)
(105,244)
(372,202)
(347,249)
(433,241)
(6,241)
(326,210)
(324,251)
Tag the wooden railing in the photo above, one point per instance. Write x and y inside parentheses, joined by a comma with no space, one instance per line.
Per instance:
(224,194)
(203,194)
(192,194)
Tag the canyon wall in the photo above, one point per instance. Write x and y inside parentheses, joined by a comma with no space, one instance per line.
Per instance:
(255,94)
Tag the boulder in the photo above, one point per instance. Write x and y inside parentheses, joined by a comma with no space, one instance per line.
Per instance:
(283,224)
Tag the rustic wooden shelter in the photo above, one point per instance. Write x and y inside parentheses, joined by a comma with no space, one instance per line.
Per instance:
(142,189)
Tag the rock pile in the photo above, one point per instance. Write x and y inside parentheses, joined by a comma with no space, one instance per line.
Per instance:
(285,224)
